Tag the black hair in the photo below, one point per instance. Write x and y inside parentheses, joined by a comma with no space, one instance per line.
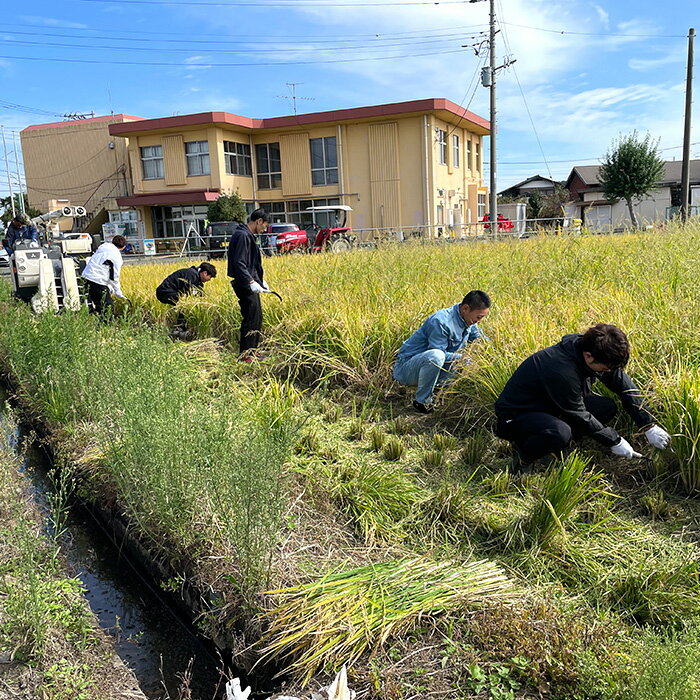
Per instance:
(260,214)
(208,268)
(608,345)
(119,241)
(476,299)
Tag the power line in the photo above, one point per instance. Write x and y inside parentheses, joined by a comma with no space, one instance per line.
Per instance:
(280,3)
(227,65)
(564,31)
(302,48)
(270,37)
(376,39)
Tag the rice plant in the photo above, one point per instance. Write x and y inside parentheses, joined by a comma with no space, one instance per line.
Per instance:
(567,487)
(394,448)
(336,619)
(377,438)
(433,459)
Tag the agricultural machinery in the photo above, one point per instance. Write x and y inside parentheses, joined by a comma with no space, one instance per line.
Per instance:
(289,238)
(45,273)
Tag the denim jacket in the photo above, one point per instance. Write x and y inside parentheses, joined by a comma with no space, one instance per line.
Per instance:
(444,330)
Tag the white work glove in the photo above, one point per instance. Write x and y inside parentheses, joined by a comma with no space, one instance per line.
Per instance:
(624,449)
(658,437)
(257,288)
(265,287)
(234,692)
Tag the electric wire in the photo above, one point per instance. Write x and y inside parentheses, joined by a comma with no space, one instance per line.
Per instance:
(209,64)
(602,34)
(280,3)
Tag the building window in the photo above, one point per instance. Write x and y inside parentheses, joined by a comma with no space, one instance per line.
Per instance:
(455,151)
(477,149)
(175,222)
(269,164)
(152,162)
(197,155)
(442,146)
(324,161)
(481,206)
(470,165)
(237,157)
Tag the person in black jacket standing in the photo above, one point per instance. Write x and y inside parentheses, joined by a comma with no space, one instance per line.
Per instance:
(549,401)
(245,269)
(188,280)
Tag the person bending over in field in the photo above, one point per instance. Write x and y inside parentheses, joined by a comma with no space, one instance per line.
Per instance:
(188,280)
(102,273)
(425,360)
(549,400)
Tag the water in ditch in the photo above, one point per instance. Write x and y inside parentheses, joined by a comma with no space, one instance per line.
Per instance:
(150,637)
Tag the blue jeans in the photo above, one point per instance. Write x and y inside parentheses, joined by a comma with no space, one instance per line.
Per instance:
(425,371)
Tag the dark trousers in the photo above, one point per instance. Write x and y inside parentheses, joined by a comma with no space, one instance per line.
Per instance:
(171,300)
(251,312)
(99,297)
(535,435)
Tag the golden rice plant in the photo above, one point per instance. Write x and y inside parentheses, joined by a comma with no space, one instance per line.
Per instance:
(334,620)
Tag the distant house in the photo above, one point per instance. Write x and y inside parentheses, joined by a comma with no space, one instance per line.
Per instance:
(536,183)
(589,203)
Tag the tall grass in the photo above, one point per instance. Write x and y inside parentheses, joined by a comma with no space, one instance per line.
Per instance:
(194,459)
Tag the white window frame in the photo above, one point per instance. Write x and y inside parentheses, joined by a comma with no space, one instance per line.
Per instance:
(268,179)
(152,162)
(470,165)
(238,159)
(481,205)
(327,174)
(455,150)
(197,156)
(442,146)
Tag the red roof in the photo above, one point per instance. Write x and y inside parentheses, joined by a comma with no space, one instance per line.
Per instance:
(117,118)
(354,114)
(164,198)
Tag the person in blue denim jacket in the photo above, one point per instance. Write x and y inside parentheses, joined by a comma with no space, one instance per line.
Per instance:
(425,360)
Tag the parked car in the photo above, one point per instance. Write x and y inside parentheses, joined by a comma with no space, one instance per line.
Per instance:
(4,256)
(218,235)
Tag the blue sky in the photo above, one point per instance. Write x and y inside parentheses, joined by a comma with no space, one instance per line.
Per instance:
(585,71)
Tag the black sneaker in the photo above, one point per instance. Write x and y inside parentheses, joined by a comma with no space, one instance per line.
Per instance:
(518,466)
(422,407)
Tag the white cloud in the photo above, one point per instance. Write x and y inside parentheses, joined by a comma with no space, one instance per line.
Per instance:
(675,56)
(51,22)
(602,15)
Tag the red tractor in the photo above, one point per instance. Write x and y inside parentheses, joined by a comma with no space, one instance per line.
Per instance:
(503,223)
(289,238)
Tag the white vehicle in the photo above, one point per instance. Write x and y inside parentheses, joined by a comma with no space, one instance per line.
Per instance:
(4,257)
(47,276)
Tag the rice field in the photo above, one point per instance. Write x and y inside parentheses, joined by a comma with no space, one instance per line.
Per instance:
(356,531)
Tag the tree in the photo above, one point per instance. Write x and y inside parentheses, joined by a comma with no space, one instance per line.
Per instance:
(6,205)
(228,207)
(631,170)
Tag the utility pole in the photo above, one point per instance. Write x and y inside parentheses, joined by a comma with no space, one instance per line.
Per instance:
(685,171)
(492,117)
(7,170)
(19,175)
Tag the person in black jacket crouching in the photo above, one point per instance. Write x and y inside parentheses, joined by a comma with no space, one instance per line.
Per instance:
(188,280)
(549,401)
(245,269)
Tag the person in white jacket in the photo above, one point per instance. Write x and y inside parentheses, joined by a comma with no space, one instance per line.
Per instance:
(102,275)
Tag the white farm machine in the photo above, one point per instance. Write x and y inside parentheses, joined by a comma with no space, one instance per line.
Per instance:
(46,273)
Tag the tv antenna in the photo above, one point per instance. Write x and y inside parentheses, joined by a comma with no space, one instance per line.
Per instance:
(293,96)
(76,116)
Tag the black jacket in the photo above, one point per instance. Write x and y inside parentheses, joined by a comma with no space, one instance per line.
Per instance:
(556,379)
(244,260)
(180,282)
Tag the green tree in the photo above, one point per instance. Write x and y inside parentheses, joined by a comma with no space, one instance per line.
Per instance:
(6,206)
(228,207)
(631,169)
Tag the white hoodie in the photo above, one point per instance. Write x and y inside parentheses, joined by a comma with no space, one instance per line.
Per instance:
(104,268)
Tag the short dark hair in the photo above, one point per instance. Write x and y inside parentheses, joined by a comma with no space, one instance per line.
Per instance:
(260,214)
(208,268)
(119,241)
(608,345)
(20,219)
(476,299)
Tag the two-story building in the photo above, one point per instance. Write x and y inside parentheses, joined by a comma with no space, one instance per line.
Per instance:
(411,165)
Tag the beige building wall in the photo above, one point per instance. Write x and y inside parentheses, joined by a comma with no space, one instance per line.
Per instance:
(74,161)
